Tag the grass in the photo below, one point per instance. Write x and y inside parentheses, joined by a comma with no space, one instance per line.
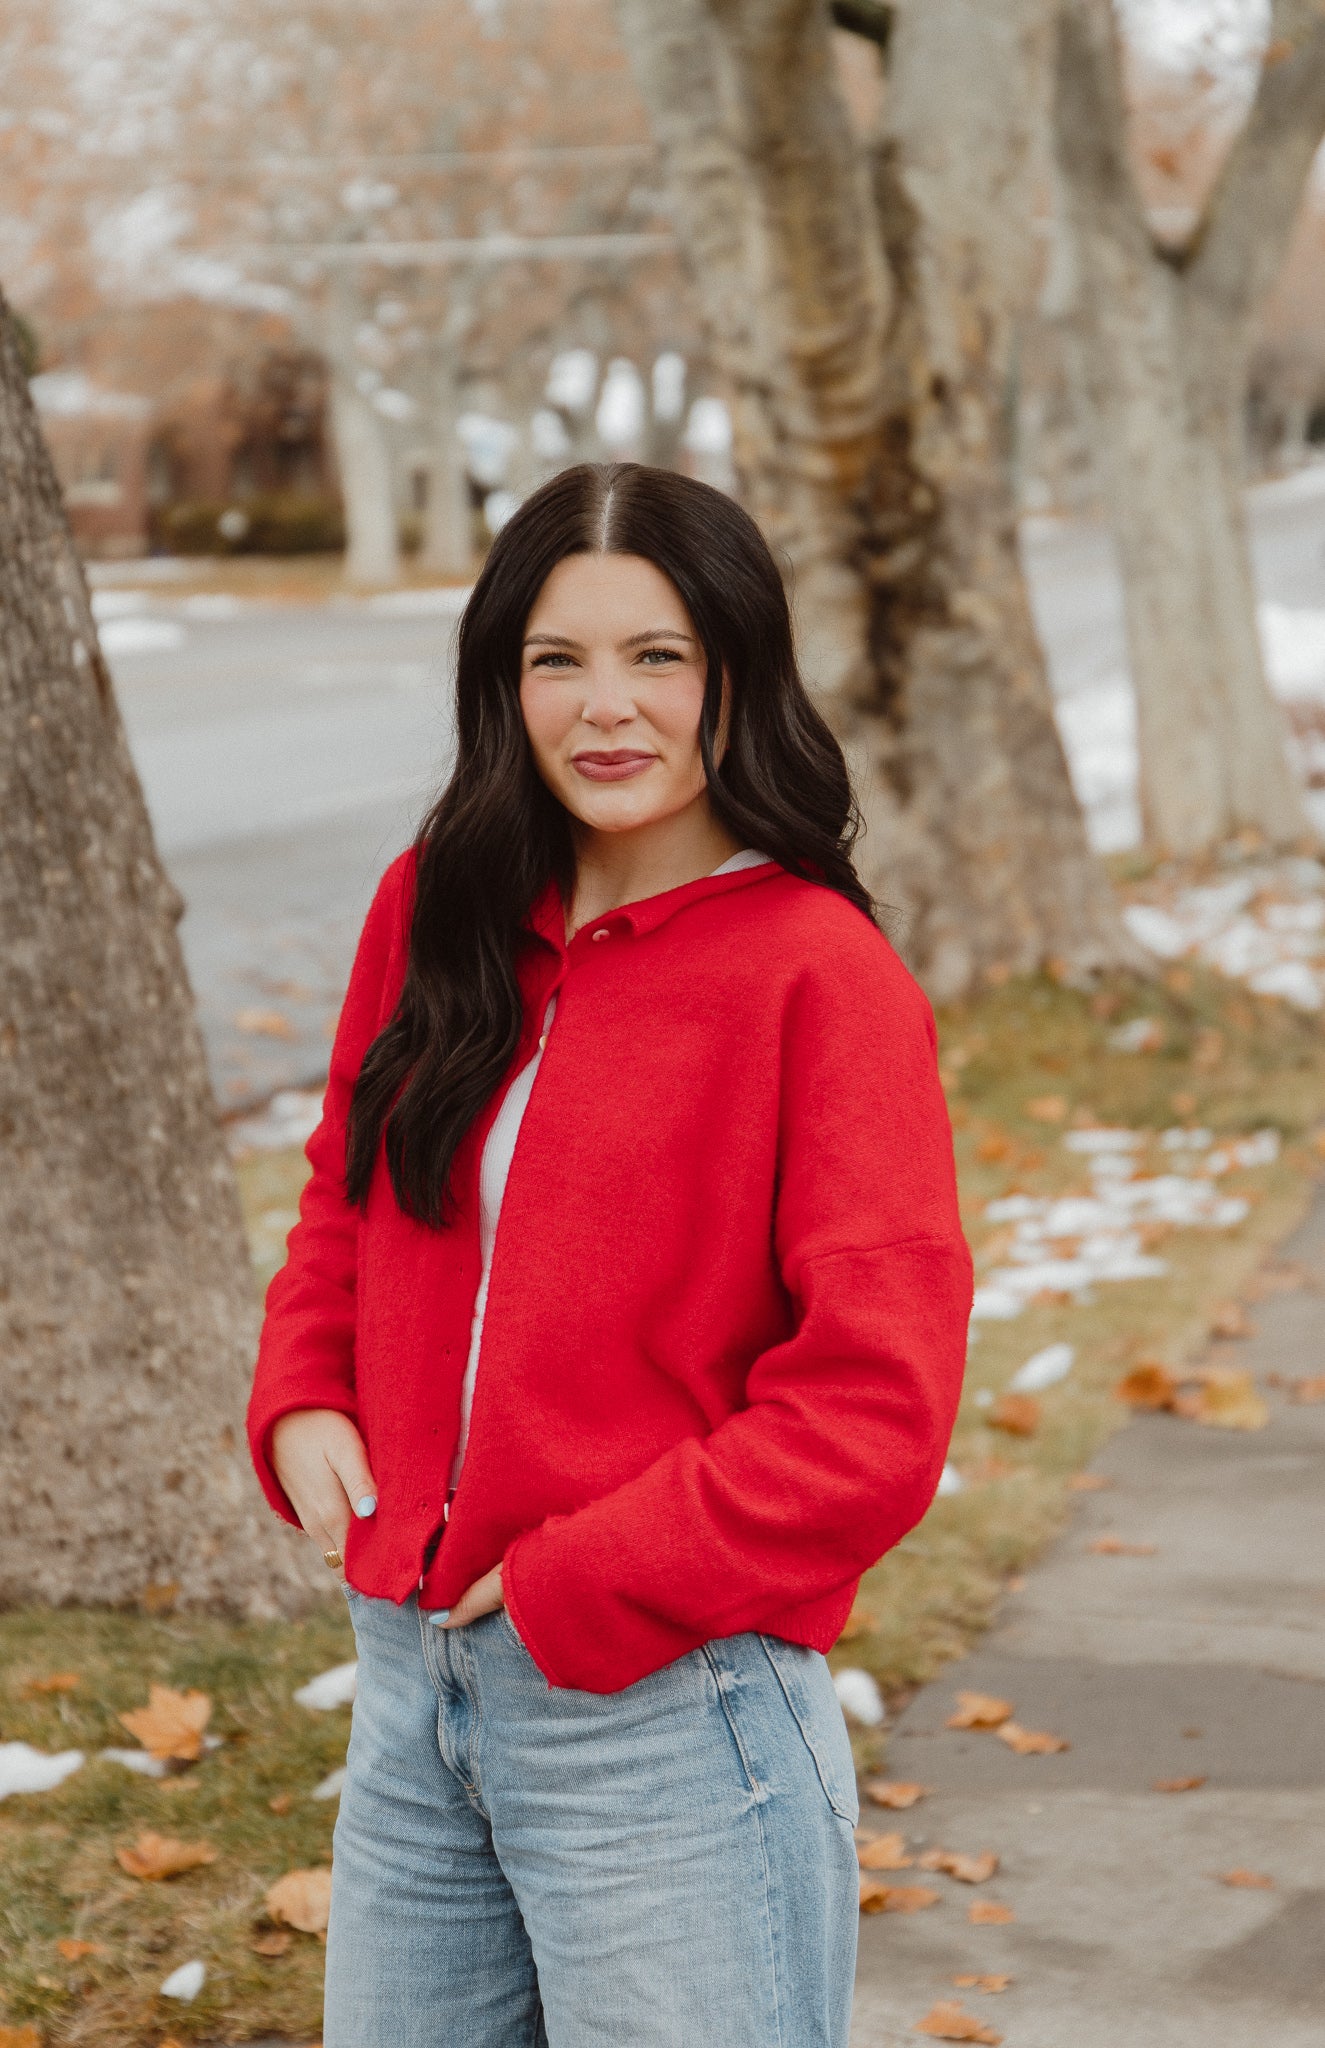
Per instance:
(1228,1061)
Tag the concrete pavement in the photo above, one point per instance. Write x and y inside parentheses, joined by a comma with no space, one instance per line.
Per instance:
(1205,1659)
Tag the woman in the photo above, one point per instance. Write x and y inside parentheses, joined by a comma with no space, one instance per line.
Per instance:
(604,1479)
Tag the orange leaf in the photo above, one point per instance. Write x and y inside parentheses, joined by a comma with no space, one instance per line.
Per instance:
(1047,1109)
(156,1856)
(74,1951)
(275,1943)
(302,1899)
(1016,1414)
(1177,1784)
(1027,1742)
(1229,1400)
(893,1793)
(966,1869)
(265,1023)
(171,1724)
(1147,1385)
(947,2022)
(994,1146)
(59,1681)
(281,1802)
(979,1710)
(1088,1482)
(1278,52)
(1232,1320)
(894,1898)
(970,1982)
(989,1913)
(884,1852)
(1247,1880)
(19,2037)
(1309,1390)
(1113,1546)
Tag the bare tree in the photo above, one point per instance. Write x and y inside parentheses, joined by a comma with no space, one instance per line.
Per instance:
(1163,338)
(861,304)
(363,457)
(127,1308)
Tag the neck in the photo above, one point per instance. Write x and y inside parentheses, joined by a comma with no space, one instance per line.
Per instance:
(612,868)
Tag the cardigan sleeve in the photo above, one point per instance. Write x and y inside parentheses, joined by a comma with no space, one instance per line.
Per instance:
(838,1450)
(306,1350)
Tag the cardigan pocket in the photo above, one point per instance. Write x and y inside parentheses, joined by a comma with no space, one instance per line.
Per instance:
(807,1685)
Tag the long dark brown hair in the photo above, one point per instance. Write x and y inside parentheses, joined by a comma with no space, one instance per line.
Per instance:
(496,834)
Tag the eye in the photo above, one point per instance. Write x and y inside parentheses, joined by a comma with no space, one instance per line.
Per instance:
(552,659)
(659,656)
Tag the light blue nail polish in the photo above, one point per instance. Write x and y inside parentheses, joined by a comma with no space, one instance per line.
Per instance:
(366,1505)
(439,1615)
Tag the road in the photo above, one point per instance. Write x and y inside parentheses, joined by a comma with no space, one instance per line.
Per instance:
(288,753)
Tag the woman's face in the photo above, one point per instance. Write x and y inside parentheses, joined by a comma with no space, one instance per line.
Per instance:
(611,688)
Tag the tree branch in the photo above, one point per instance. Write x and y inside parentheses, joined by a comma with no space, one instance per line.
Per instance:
(873,19)
(1090,121)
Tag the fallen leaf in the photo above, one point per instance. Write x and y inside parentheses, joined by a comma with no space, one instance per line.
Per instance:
(302,1899)
(989,1913)
(1207,1050)
(1308,1390)
(1247,1880)
(895,1898)
(994,1146)
(1016,1414)
(1184,1103)
(948,2022)
(980,1710)
(275,1943)
(970,1982)
(19,2037)
(965,1868)
(893,1793)
(1229,1400)
(1047,1109)
(1029,1742)
(1278,52)
(59,1681)
(171,1724)
(74,1951)
(159,1596)
(1147,1385)
(1231,1321)
(858,1623)
(1088,1482)
(281,1802)
(265,1023)
(156,1856)
(1275,1280)
(1177,1784)
(1113,1546)
(884,1852)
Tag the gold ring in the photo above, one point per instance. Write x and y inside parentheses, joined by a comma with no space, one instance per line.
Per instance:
(334,1559)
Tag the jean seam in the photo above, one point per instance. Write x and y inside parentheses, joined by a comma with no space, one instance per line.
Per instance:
(792,1709)
(758,1796)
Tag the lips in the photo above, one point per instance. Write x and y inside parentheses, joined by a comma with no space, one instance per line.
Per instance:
(612,767)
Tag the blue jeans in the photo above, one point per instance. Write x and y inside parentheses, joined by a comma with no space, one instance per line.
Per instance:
(517,1866)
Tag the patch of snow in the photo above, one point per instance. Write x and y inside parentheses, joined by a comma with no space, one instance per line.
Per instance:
(290,1118)
(859,1696)
(69,394)
(1044,1370)
(331,1786)
(950,1482)
(137,635)
(1103,1140)
(140,1760)
(334,1688)
(186,1982)
(25,1769)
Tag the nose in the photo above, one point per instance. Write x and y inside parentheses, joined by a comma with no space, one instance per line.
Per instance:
(608,699)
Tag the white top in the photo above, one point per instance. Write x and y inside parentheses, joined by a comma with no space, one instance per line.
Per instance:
(498,1152)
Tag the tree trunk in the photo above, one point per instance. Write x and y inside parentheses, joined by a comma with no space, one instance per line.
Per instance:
(1161,340)
(862,308)
(372,535)
(448,539)
(127,1306)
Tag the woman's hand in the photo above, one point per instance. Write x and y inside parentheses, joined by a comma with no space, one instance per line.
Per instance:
(483,1597)
(321,1462)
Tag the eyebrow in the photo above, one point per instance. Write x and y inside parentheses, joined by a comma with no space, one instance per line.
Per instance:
(635,639)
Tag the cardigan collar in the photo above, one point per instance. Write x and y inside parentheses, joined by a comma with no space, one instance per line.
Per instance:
(546,917)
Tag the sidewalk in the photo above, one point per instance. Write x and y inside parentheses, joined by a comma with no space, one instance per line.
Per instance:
(1205,1659)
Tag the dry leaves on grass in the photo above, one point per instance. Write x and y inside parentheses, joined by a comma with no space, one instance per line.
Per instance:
(19,2037)
(894,1793)
(73,1951)
(281,1802)
(884,1852)
(59,1681)
(994,1981)
(966,1869)
(171,1724)
(274,1942)
(948,2022)
(301,1899)
(895,1898)
(1177,1784)
(1047,1109)
(1113,1546)
(1015,1414)
(1223,1397)
(1247,1880)
(1148,1385)
(156,1856)
(980,1710)
(1030,1741)
(989,1913)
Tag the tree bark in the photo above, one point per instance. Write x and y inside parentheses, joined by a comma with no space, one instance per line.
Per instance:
(372,536)
(862,307)
(127,1306)
(448,545)
(1161,340)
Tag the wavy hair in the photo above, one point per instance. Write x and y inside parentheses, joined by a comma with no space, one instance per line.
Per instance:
(496,834)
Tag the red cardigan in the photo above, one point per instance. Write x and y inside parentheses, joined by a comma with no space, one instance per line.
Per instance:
(727,1308)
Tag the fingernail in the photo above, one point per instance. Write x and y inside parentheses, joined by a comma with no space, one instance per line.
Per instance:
(439,1615)
(366,1505)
